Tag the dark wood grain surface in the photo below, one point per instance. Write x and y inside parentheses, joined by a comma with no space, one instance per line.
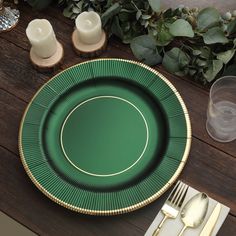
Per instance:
(211,166)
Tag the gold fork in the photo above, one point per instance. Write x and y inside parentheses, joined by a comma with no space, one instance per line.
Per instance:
(172,206)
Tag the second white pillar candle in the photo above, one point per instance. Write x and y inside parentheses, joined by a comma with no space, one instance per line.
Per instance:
(89,27)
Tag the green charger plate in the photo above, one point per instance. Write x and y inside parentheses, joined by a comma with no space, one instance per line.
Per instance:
(106,136)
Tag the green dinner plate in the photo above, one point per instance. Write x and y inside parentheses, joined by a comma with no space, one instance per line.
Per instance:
(106,136)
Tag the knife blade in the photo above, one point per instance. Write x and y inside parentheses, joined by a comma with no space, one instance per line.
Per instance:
(211,222)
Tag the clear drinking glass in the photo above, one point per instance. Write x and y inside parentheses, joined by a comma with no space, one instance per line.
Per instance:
(221,113)
(9,16)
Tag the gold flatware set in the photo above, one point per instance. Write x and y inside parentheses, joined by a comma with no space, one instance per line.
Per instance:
(191,213)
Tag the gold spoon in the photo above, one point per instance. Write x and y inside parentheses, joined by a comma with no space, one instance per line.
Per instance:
(194,211)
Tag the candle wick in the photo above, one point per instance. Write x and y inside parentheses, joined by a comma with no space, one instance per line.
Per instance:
(39,30)
(88,22)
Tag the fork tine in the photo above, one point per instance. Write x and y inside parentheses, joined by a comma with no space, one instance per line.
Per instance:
(173,191)
(180,203)
(178,193)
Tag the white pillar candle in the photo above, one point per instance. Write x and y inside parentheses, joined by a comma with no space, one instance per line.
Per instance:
(89,27)
(42,38)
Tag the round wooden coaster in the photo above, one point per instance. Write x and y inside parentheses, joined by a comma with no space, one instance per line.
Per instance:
(50,63)
(89,50)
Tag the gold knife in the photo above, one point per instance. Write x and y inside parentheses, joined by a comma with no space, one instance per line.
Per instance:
(211,222)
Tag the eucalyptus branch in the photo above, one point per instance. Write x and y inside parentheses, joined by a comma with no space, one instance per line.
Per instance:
(186,41)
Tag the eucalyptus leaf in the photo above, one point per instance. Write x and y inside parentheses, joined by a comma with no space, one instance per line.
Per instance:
(110,12)
(181,28)
(184,60)
(231,28)
(155,5)
(170,63)
(144,49)
(163,37)
(207,18)
(60,2)
(125,27)
(192,72)
(79,4)
(138,14)
(124,16)
(226,56)
(205,52)
(196,52)
(153,32)
(168,13)
(146,17)
(215,35)
(39,4)
(116,28)
(201,62)
(109,3)
(213,69)
(67,12)
(174,60)
(76,10)
(73,16)
(131,30)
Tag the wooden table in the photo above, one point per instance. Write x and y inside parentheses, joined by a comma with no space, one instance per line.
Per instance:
(211,166)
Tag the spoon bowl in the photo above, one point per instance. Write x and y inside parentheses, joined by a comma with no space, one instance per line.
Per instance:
(194,211)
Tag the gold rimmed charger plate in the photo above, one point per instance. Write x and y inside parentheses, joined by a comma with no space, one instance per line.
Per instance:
(105,137)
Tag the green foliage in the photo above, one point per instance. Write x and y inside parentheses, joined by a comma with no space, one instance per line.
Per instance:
(187,41)
(110,12)
(176,61)
(39,4)
(215,35)
(155,5)
(231,28)
(226,56)
(181,28)
(207,18)
(163,35)
(144,49)
(213,69)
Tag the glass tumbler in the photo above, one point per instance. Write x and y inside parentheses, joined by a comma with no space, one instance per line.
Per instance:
(221,113)
(9,16)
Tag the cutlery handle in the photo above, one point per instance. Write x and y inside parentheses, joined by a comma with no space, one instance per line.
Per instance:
(182,231)
(157,230)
